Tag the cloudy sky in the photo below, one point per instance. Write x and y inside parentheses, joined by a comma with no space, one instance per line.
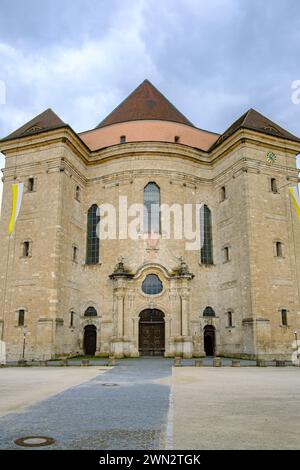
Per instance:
(212,58)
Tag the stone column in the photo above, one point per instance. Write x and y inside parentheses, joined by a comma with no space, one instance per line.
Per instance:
(120,312)
(185,312)
(120,345)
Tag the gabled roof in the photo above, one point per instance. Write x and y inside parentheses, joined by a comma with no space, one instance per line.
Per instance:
(255,121)
(45,121)
(145,102)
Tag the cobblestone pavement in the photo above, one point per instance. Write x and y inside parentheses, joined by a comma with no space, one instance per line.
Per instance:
(124,408)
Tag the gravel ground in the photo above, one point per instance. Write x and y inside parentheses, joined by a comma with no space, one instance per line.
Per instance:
(236,408)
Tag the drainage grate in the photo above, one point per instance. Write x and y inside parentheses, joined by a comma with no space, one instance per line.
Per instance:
(34,441)
(109,384)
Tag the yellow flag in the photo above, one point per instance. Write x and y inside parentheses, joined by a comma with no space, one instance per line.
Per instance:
(295,196)
(17,193)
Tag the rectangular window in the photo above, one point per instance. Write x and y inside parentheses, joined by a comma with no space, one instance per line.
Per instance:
(26,249)
(229,319)
(123,139)
(72,319)
(284,321)
(279,249)
(30,185)
(274,188)
(21,317)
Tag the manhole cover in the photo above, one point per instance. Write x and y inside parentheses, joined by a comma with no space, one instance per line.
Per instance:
(109,385)
(34,441)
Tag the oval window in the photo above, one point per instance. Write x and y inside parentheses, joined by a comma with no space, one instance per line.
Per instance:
(152,285)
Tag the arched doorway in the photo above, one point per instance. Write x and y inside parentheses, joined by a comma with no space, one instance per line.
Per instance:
(151,333)
(90,340)
(209,340)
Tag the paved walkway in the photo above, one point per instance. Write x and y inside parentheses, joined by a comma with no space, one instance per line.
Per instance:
(125,408)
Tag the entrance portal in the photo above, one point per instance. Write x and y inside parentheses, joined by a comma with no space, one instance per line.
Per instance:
(151,333)
(90,340)
(209,340)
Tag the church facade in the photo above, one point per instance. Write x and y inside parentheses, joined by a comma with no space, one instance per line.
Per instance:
(66,290)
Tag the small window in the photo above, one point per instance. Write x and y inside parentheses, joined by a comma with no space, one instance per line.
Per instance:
(209,312)
(152,285)
(90,312)
(284,320)
(279,250)
(229,319)
(77,193)
(123,139)
(30,185)
(222,194)
(72,314)
(75,254)
(21,317)
(274,188)
(226,255)
(26,249)
(176,139)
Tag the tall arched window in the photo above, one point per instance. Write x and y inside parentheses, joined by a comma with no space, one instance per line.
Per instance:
(151,208)
(92,245)
(206,236)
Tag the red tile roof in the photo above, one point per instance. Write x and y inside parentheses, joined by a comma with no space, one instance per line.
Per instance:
(145,102)
(255,121)
(45,121)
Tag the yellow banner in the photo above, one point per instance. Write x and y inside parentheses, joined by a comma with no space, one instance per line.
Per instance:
(295,196)
(17,193)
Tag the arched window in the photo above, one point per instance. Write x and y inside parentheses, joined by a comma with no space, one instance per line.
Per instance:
(90,312)
(152,285)
(209,312)
(206,236)
(77,193)
(222,194)
(92,245)
(151,208)
(284,317)
(226,254)
(72,316)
